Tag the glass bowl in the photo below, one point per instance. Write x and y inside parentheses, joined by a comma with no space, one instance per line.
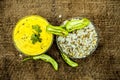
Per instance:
(27,22)
(76,45)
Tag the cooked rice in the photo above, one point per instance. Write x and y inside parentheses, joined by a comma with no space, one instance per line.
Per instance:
(79,43)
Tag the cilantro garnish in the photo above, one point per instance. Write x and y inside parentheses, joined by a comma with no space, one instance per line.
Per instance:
(36,28)
(35,37)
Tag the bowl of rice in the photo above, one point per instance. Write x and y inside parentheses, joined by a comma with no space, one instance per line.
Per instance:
(79,43)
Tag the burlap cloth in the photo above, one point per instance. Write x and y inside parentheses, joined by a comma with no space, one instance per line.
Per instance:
(103,64)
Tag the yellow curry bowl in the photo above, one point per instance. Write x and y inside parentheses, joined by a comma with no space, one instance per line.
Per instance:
(30,36)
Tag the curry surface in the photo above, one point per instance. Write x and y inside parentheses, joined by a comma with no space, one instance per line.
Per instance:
(22,36)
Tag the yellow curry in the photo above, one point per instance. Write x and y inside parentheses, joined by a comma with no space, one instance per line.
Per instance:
(23,32)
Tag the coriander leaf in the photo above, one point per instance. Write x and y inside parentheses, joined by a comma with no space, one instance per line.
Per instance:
(36,28)
(38,34)
(40,39)
(35,38)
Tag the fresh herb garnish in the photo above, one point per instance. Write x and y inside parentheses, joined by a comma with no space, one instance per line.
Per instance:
(35,37)
(36,28)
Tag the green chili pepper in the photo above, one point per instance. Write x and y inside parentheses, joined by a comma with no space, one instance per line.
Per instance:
(45,58)
(26,59)
(68,60)
(76,24)
(57,30)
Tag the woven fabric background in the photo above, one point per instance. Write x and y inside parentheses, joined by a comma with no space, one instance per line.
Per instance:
(103,64)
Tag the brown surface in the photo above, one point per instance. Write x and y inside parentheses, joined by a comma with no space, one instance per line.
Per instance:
(104,64)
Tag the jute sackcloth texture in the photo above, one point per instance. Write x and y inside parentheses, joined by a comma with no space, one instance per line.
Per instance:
(103,64)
